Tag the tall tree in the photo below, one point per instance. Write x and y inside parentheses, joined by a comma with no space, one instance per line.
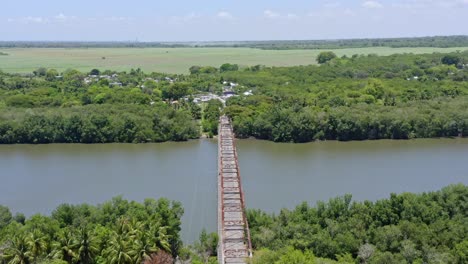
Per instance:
(37,244)
(325,56)
(120,250)
(17,251)
(87,246)
(65,247)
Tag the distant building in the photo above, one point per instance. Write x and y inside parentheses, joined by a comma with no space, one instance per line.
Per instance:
(115,84)
(229,93)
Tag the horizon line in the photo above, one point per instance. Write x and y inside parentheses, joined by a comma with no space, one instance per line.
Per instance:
(225,41)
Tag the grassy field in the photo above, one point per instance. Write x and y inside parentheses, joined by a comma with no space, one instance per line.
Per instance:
(171,60)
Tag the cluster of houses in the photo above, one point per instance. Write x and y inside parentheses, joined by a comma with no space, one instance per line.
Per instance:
(113,79)
(228,88)
(228,91)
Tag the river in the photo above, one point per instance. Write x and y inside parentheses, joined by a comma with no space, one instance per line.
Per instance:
(37,178)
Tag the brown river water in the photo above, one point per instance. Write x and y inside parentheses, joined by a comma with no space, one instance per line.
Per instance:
(38,178)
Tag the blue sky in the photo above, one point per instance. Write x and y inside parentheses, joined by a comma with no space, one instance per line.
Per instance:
(209,20)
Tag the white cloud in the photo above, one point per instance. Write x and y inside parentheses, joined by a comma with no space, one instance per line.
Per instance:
(187,18)
(292,16)
(275,15)
(372,4)
(61,16)
(270,14)
(422,4)
(117,18)
(349,12)
(37,20)
(332,4)
(63,19)
(224,14)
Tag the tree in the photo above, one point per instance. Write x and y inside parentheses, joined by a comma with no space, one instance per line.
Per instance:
(228,67)
(5,216)
(195,69)
(325,56)
(293,256)
(65,247)
(158,234)
(19,218)
(461,251)
(207,245)
(451,59)
(120,250)
(208,69)
(94,72)
(40,72)
(64,213)
(176,91)
(409,251)
(51,75)
(17,251)
(87,246)
(145,245)
(365,252)
(37,244)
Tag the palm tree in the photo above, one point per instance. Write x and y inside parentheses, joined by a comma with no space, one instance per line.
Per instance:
(66,247)
(17,251)
(159,233)
(87,246)
(120,250)
(123,225)
(145,246)
(37,244)
(135,227)
(140,236)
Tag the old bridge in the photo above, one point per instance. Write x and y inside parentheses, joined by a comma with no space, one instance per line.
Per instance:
(233,230)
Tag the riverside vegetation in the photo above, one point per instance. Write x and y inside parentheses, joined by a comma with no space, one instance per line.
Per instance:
(115,232)
(405,228)
(402,96)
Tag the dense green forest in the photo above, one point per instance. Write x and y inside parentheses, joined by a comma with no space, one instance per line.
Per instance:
(406,228)
(401,96)
(435,41)
(46,107)
(115,232)
(362,97)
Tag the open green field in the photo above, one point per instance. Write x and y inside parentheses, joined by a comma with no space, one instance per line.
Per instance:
(172,60)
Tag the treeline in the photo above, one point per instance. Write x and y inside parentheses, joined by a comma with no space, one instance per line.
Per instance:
(362,97)
(115,232)
(405,228)
(304,124)
(97,124)
(73,107)
(90,44)
(401,96)
(435,41)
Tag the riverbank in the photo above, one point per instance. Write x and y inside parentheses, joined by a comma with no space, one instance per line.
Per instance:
(274,176)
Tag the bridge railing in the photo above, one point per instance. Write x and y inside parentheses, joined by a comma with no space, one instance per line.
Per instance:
(220,199)
(225,127)
(247,229)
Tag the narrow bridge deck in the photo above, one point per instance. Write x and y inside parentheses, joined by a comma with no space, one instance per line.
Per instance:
(233,229)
